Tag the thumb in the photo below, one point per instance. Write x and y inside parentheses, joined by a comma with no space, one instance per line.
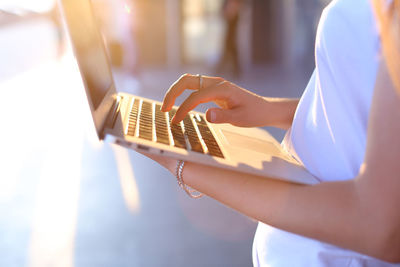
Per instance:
(218,115)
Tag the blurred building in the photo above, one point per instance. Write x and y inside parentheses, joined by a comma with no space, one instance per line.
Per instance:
(172,33)
(175,32)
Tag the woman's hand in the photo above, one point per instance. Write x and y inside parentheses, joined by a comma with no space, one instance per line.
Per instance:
(237,106)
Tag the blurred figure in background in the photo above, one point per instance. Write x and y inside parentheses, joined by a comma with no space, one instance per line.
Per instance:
(117,22)
(230,57)
(308,12)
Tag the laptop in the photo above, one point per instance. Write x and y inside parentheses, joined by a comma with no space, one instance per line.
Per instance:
(137,123)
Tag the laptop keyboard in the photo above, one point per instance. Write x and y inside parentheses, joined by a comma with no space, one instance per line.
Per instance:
(148,122)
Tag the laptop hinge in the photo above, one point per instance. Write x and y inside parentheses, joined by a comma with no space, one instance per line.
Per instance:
(113,114)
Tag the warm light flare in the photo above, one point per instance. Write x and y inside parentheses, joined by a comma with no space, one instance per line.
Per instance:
(127,8)
(57,193)
(127,179)
(35,6)
(56,208)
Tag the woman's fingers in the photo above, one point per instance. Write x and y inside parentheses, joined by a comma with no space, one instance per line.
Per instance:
(219,91)
(187,81)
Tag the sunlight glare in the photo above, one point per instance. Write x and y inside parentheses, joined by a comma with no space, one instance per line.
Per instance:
(127,179)
(36,5)
(9,174)
(57,194)
(56,207)
(127,8)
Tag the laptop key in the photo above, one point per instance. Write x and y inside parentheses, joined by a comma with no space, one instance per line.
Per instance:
(192,136)
(177,132)
(208,137)
(145,122)
(161,126)
(133,118)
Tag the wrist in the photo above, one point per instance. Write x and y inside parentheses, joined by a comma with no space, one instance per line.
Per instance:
(280,112)
(179,177)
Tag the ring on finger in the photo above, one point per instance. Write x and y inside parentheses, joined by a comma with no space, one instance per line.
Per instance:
(200,81)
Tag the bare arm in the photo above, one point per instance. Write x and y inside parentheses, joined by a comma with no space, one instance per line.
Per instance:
(360,214)
(283,110)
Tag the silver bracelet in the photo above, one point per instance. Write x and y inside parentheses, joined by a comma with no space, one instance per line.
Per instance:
(179,177)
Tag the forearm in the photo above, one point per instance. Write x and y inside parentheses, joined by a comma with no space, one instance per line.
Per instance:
(330,212)
(279,112)
(360,214)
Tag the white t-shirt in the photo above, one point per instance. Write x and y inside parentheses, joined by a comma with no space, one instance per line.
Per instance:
(328,134)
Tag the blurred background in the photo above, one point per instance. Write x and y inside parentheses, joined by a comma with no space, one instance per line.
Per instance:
(67,199)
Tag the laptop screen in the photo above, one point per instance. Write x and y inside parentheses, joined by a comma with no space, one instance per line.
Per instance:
(89,49)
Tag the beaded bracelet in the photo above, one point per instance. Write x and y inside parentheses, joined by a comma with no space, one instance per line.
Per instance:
(179,177)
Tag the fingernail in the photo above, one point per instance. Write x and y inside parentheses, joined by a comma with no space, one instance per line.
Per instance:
(164,108)
(213,116)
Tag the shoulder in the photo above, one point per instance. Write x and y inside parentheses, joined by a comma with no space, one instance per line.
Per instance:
(346,18)
(347,28)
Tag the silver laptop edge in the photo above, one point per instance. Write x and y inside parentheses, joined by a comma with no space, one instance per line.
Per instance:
(92,60)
